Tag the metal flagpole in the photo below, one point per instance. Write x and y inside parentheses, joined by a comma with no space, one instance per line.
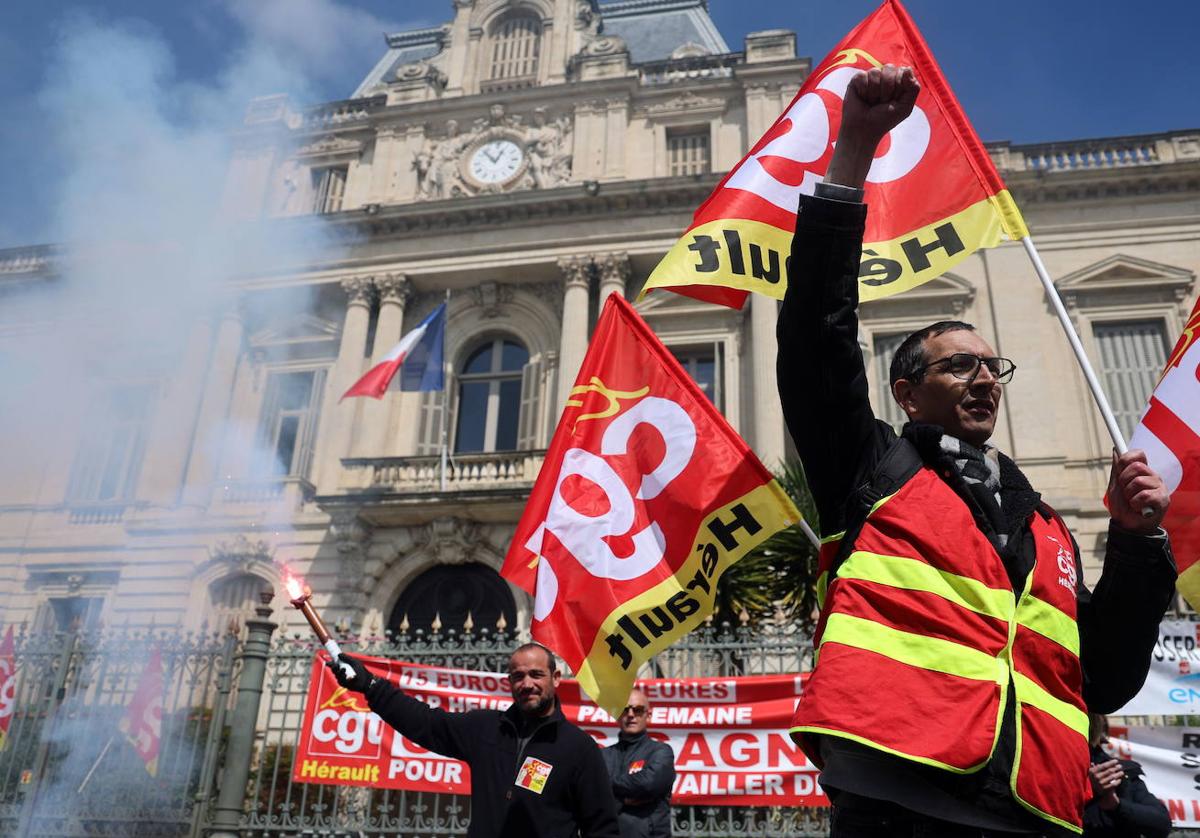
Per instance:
(1106,412)
(812,536)
(445,395)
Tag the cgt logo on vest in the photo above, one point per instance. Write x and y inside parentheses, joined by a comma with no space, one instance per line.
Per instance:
(1067,575)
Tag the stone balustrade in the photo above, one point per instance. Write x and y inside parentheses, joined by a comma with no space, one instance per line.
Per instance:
(289,491)
(1109,153)
(689,68)
(28,260)
(464,472)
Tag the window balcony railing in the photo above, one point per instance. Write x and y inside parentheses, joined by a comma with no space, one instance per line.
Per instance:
(269,491)
(690,68)
(463,472)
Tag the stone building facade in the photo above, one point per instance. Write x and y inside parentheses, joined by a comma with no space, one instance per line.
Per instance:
(529,157)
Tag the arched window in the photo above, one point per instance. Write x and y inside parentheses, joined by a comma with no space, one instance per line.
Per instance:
(489,397)
(451,592)
(514,46)
(233,599)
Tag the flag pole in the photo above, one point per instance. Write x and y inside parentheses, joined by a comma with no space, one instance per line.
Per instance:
(445,403)
(1106,412)
(95,765)
(812,536)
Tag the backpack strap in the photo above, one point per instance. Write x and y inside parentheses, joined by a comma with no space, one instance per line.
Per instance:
(897,466)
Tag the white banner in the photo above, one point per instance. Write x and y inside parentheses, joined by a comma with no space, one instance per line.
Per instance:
(1170,756)
(1173,685)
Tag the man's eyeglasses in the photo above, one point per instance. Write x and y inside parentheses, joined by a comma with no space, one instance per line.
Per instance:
(634,710)
(965,367)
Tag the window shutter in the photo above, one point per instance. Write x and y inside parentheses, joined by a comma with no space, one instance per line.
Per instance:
(527,425)
(1132,356)
(309,431)
(432,404)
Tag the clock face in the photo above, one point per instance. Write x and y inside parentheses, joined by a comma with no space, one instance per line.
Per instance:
(496,161)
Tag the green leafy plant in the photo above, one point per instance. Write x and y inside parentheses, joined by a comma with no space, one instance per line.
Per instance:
(780,575)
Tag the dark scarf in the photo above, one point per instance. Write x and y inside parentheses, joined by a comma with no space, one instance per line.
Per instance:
(994,489)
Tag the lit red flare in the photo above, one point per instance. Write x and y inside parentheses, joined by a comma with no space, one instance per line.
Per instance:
(300,595)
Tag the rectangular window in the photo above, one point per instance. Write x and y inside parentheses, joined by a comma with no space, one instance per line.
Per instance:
(110,454)
(885,406)
(70,613)
(329,184)
(1132,356)
(705,364)
(687,152)
(289,423)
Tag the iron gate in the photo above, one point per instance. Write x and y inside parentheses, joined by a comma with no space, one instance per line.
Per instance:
(67,769)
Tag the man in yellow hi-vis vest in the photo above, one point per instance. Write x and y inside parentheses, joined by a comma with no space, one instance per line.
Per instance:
(958,649)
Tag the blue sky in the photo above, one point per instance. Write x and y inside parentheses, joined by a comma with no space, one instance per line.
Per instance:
(1041,70)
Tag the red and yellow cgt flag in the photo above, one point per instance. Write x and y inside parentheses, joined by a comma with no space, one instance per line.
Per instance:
(142,722)
(8,685)
(935,196)
(647,495)
(1169,433)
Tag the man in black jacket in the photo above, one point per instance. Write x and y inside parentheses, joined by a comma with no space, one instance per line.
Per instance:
(642,771)
(1121,805)
(533,773)
(948,381)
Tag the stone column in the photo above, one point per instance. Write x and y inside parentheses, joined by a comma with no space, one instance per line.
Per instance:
(573,343)
(768,441)
(614,270)
(376,421)
(174,424)
(338,417)
(211,424)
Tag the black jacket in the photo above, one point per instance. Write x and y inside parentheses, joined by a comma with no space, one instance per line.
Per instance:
(823,389)
(649,784)
(575,799)
(1139,814)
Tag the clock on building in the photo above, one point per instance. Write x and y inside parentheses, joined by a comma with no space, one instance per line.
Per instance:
(496,162)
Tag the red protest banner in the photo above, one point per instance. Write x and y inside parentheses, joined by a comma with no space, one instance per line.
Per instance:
(646,496)
(935,195)
(728,734)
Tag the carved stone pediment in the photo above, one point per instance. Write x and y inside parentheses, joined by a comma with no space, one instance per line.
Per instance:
(499,153)
(455,541)
(240,555)
(1121,278)
(331,146)
(303,335)
(491,296)
(689,103)
(946,297)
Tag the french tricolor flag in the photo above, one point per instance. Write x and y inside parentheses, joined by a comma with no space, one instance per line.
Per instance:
(417,357)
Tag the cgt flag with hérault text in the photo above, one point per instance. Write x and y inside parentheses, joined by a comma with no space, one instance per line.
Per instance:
(142,722)
(1169,433)
(935,196)
(646,496)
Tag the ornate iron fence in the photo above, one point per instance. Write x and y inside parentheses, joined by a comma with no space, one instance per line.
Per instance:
(279,806)
(67,769)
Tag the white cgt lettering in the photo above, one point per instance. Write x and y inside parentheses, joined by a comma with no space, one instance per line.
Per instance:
(583,535)
(808,138)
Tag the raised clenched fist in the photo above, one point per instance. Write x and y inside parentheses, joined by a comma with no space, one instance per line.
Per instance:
(876,101)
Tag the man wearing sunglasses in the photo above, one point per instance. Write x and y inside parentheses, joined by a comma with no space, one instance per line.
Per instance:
(642,771)
(958,648)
